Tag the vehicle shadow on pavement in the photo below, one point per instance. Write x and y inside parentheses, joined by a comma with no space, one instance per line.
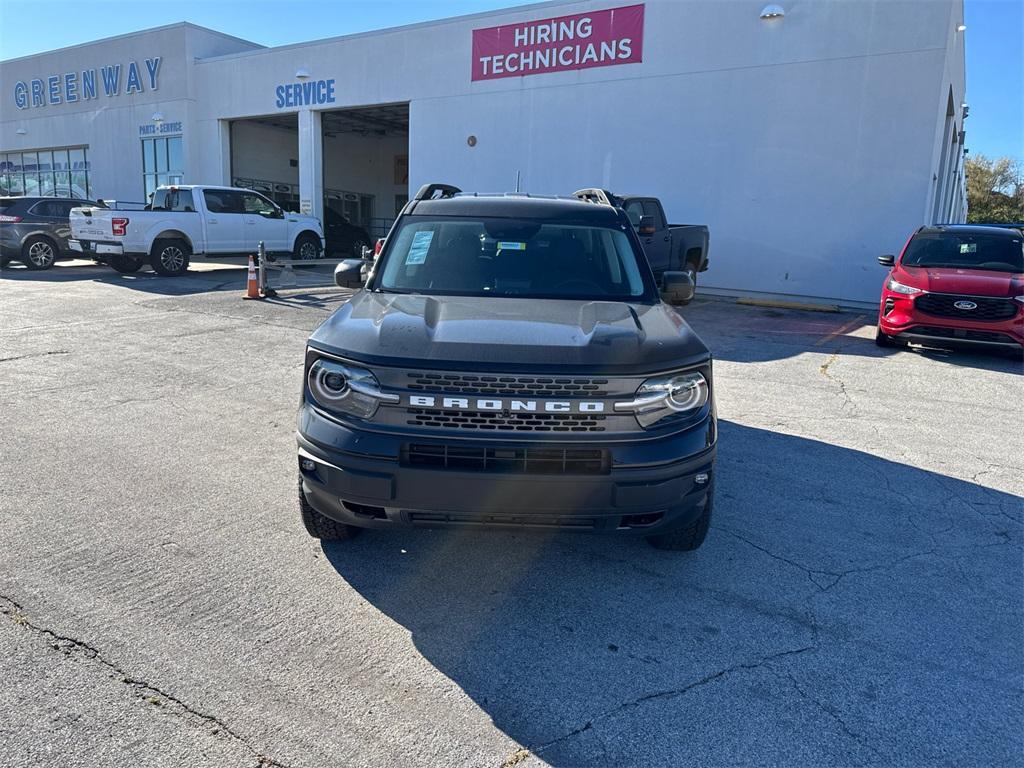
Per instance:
(223,277)
(146,282)
(750,334)
(837,593)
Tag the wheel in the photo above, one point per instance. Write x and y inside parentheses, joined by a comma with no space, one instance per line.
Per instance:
(321,527)
(307,247)
(38,252)
(357,248)
(883,339)
(170,257)
(4,261)
(125,264)
(688,537)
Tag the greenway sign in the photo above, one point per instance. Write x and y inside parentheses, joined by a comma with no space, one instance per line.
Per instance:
(88,84)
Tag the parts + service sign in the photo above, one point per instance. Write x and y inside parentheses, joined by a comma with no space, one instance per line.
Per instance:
(598,39)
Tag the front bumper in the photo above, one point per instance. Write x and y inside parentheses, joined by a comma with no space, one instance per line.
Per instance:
(90,247)
(360,478)
(903,320)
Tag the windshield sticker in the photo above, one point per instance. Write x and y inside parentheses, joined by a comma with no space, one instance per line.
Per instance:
(420,246)
(508,246)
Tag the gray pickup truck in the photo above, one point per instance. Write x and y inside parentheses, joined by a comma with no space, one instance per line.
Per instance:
(668,247)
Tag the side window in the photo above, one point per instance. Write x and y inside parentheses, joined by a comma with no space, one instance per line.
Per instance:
(220,201)
(54,209)
(253,203)
(173,200)
(64,208)
(651,208)
(634,210)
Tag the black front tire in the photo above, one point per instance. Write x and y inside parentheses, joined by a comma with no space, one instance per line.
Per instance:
(689,537)
(307,247)
(39,253)
(884,339)
(320,527)
(126,265)
(170,257)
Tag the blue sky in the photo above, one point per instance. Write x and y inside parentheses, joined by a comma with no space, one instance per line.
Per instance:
(995,31)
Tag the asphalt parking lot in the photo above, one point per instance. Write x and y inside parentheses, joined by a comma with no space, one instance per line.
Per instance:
(858,600)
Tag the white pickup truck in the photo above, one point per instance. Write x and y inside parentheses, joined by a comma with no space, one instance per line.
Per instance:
(186,220)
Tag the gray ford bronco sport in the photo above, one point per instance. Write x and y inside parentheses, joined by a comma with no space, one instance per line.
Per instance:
(509,362)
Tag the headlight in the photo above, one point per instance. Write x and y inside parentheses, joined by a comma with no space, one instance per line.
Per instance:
(1020,298)
(345,389)
(897,287)
(665,396)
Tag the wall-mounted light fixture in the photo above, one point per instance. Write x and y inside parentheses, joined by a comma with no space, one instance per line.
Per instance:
(772,11)
(962,28)
(302,73)
(158,117)
(21,131)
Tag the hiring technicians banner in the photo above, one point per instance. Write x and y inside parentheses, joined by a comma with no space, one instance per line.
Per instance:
(598,39)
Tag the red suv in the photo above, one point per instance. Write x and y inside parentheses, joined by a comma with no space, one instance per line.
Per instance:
(957,283)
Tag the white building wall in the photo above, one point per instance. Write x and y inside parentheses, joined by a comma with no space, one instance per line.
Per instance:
(109,125)
(809,144)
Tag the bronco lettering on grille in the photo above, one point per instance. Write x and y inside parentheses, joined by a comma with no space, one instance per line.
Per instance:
(509,405)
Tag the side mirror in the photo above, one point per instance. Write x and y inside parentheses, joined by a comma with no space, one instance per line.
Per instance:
(349,273)
(676,287)
(646,225)
(887,261)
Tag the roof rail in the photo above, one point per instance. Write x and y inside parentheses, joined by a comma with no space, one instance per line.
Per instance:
(427,191)
(594,195)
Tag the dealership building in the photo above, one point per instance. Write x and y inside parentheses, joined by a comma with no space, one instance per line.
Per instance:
(809,136)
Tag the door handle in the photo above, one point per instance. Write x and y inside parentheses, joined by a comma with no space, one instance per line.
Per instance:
(211,221)
(667,238)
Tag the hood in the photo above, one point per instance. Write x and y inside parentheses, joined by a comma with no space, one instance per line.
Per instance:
(972,282)
(509,334)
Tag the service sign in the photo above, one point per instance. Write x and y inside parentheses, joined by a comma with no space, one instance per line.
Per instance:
(597,39)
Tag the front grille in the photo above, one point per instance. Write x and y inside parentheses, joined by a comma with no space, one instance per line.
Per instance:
(519,422)
(962,334)
(538,461)
(987,309)
(508,386)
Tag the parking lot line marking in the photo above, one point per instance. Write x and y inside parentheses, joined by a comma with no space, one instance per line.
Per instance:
(839,331)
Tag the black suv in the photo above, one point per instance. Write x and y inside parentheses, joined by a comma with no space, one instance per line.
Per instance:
(509,362)
(35,230)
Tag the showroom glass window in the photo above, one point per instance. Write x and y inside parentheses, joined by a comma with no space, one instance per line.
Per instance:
(62,172)
(162,162)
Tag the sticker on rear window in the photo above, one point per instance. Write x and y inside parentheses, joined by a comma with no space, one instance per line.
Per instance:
(509,246)
(420,245)
(968,247)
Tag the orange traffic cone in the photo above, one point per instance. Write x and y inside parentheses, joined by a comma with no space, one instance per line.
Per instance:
(252,286)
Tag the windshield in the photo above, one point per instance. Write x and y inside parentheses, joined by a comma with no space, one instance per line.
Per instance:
(997,253)
(511,257)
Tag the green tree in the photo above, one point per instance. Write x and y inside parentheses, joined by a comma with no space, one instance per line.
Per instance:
(995,190)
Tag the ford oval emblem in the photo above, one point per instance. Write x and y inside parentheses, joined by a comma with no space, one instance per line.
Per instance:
(965,305)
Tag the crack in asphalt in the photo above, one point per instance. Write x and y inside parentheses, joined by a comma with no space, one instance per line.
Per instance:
(835,576)
(16,614)
(824,371)
(831,711)
(34,354)
(672,693)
